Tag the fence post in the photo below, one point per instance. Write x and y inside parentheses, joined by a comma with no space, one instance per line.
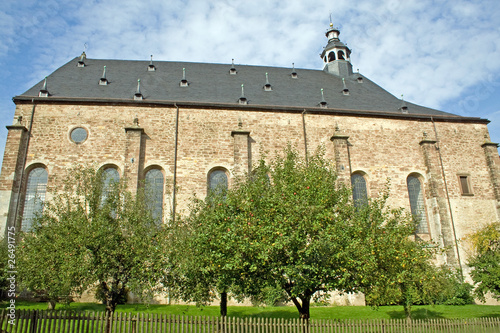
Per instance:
(33,321)
(134,324)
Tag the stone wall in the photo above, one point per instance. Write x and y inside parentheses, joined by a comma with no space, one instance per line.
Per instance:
(382,149)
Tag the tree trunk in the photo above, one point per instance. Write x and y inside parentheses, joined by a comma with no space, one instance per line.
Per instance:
(223,304)
(407,301)
(302,308)
(51,304)
(304,314)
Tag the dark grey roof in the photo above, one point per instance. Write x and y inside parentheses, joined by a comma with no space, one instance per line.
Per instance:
(213,84)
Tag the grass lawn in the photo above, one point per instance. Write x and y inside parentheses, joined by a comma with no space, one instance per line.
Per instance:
(322,312)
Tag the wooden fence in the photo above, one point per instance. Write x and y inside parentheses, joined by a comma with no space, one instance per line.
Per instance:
(33,321)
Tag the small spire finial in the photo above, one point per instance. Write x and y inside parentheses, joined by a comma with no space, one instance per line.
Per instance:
(138,86)
(184,81)
(345,91)
(138,95)
(243,99)
(294,72)
(232,70)
(323,102)
(403,108)
(151,66)
(103,81)
(44,92)
(267,86)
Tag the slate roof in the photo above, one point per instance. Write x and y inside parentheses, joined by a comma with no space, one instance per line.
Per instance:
(212,84)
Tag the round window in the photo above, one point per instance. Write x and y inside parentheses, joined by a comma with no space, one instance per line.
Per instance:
(79,135)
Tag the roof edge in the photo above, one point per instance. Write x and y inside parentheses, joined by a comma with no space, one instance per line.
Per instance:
(249,107)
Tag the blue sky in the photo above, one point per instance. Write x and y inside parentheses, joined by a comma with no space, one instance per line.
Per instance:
(440,54)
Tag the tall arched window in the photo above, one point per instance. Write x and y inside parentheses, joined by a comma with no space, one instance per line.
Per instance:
(154,193)
(110,177)
(359,193)
(331,56)
(217,181)
(34,197)
(417,204)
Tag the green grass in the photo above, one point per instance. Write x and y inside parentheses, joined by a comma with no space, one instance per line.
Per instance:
(323,312)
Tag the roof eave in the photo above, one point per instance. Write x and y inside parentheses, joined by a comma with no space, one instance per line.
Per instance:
(253,107)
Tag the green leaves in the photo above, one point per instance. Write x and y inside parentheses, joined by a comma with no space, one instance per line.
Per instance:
(290,228)
(82,241)
(485,261)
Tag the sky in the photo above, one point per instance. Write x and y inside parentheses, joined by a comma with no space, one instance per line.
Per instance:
(439,54)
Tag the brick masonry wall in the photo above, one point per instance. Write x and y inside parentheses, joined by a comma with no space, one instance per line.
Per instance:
(382,149)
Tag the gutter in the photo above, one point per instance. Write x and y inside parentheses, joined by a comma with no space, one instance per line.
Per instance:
(264,108)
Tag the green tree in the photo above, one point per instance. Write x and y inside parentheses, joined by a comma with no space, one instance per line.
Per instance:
(92,235)
(485,260)
(290,228)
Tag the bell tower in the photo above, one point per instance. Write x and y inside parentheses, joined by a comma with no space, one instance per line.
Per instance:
(336,55)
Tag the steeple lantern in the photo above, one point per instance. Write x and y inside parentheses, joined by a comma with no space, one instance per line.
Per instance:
(336,55)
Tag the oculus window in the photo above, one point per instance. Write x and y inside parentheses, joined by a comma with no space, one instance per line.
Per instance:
(78,135)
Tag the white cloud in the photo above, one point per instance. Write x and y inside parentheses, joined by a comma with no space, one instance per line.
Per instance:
(432,52)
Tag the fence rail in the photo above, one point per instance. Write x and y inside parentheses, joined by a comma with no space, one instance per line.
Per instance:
(35,321)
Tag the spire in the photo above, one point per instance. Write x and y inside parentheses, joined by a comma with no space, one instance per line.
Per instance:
(243,100)
(184,82)
(44,92)
(151,66)
(267,86)
(294,72)
(81,61)
(336,55)
(403,108)
(323,102)
(103,81)
(138,95)
(345,91)
(233,70)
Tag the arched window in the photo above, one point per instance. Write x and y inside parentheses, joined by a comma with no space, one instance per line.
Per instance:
(217,181)
(34,197)
(110,177)
(417,204)
(331,56)
(341,55)
(359,193)
(154,193)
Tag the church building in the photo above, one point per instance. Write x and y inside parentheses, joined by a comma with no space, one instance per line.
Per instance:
(183,128)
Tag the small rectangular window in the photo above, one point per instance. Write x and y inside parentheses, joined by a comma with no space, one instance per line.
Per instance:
(465,185)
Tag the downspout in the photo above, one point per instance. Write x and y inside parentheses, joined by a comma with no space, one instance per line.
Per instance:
(19,194)
(305,135)
(174,204)
(448,199)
